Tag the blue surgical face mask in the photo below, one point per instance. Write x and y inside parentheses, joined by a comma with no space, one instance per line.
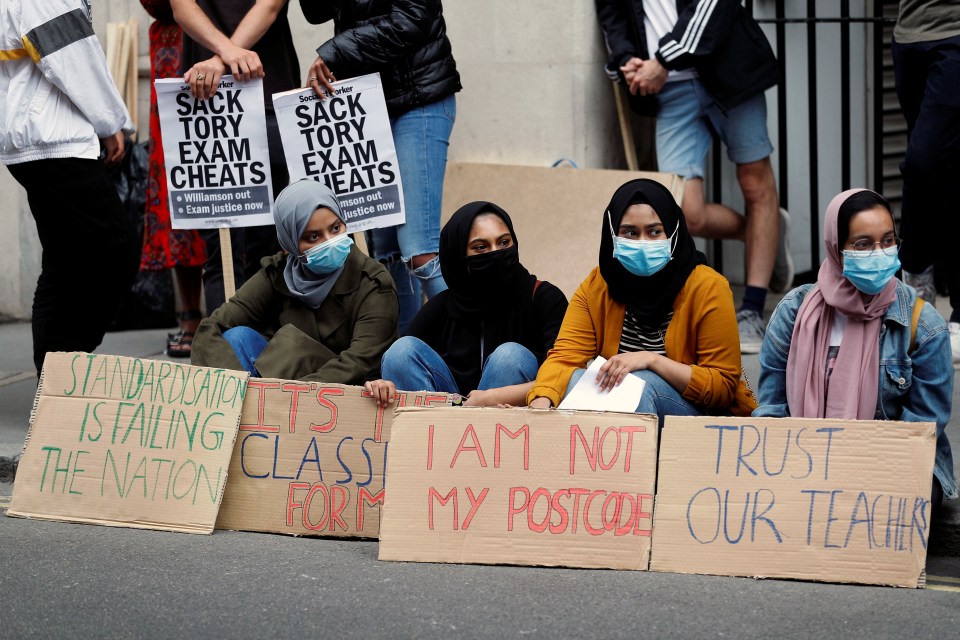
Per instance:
(642,257)
(870,271)
(328,256)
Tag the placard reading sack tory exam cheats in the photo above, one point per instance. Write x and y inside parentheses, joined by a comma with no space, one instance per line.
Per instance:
(345,141)
(216,155)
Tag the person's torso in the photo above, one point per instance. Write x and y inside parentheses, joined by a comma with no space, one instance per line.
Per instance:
(927,20)
(332,323)
(659,18)
(275,48)
(36,120)
(424,74)
(465,344)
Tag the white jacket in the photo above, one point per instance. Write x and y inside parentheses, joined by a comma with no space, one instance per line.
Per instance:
(57,98)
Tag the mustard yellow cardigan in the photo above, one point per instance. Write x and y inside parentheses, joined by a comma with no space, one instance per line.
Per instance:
(703,334)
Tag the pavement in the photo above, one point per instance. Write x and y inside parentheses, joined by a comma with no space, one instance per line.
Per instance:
(61,579)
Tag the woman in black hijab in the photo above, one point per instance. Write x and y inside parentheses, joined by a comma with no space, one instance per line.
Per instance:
(653,309)
(488,333)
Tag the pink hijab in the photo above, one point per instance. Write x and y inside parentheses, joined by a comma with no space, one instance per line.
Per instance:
(854,384)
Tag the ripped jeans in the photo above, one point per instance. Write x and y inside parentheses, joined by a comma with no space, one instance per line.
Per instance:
(421,137)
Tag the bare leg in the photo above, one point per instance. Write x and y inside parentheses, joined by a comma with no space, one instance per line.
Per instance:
(419,261)
(762,220)
(710,220)
(188,281)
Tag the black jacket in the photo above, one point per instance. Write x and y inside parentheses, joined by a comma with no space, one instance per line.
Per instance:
(405,40)
(716,37)
(464,344)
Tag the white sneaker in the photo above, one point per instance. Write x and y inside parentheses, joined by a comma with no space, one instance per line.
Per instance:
(955,342)
(783,270)
(752,329)
(923,283)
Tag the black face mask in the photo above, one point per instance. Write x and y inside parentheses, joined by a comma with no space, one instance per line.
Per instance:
(493,269)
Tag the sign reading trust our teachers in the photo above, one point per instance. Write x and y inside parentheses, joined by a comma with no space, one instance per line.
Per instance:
(216,155)
(345,141)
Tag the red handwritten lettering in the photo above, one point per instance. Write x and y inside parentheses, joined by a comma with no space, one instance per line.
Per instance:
(590,451)
(295,389)
(513,508)
(430,448)
(525,430)
(365,497)
(533,526)
(642,514)
(452,495)
(475,503)
(475,448)
(331,424)
(322,523)
(337,507)
(616,453)
(291,503)
(260,386)
(629,452)
(595,450)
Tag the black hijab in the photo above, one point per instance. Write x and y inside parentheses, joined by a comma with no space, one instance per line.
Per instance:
(649,298)
(489,301)
(484,284)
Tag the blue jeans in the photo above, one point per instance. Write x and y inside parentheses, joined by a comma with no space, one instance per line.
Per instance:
(659,397)
(247,345)
(687,115)
(413,366)
(421,137)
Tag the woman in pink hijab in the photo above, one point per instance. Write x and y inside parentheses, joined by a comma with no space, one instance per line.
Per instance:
(859,344)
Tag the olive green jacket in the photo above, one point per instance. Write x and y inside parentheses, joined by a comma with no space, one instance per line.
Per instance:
(340,342)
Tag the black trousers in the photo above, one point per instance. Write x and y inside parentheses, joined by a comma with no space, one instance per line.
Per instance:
(89,253)
(928,87)
(249,244)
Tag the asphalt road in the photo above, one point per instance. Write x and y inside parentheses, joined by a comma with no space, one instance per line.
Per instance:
(66,580)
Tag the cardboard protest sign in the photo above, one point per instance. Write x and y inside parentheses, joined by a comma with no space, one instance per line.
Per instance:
(309,459)
(512,486)
(129,442)
(216,155)
(828,500)
(346,142)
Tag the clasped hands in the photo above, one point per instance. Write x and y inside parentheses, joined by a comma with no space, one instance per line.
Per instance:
(204,76)
(644,77)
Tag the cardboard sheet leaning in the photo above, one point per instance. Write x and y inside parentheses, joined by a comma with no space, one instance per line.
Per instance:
(829,500)
(310,457)
(129,442)
(517,486)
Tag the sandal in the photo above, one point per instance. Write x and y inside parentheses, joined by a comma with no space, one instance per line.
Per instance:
(182,347)
(180,344)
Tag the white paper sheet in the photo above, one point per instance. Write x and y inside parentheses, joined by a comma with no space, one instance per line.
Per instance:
(586,395)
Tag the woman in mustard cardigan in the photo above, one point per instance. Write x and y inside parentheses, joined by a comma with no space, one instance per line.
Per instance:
(652,309)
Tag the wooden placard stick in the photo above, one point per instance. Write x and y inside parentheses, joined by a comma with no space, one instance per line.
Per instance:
(226,261)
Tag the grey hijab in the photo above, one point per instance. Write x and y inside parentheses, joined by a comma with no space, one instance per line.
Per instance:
(292,212)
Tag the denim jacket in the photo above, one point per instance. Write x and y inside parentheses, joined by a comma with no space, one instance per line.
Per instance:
(914,387)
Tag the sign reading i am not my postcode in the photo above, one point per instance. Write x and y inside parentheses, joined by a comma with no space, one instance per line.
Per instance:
(216,155)
(345,141)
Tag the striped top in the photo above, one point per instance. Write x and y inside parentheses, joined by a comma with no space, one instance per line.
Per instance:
(637,338)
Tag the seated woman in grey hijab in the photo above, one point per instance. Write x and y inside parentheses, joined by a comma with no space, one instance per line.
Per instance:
(320,310)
